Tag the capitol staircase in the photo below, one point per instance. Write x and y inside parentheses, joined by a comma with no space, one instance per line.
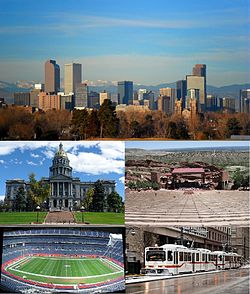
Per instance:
(62,217)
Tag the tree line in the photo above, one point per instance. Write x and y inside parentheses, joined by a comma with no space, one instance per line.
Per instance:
(16,123)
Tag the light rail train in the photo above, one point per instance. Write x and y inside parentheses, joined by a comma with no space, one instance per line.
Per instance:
(177,259)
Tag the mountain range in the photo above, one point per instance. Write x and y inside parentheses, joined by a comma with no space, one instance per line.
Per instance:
(7,89)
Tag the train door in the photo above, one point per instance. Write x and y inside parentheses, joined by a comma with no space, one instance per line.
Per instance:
(193,262)
(176,262)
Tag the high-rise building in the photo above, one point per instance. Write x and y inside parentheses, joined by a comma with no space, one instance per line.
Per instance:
(169,102)
(227,104)
(125,92)
(34,97)
(22,98)
(181,91)
(198,82)
(245,100)
(81,95)
(49,101)
(72,77)
(104,96)
(93,100)
(199,70)
(140,93)
(212,103)
(52,77)
(192,95)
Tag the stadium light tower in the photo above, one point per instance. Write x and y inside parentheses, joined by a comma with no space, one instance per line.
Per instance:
(82,211)
(37,214)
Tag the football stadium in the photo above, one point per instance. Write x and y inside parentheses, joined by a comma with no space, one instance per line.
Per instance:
(72,260)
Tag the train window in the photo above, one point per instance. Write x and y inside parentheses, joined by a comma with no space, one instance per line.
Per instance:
(170,256)
(187,256)
(181,256)
(203,257)
(220,257)
(155,256)
(197,257)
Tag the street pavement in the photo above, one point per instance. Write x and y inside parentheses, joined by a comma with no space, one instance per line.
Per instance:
(187,207)
(219,282)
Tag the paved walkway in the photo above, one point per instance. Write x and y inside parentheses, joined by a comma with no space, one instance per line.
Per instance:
(185,207)
(60,217)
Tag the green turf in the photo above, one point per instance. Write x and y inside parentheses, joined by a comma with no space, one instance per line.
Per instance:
(109,218)
(21,217)
(66,271)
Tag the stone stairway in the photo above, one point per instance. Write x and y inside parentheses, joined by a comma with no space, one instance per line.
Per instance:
(190,208)
(61,217)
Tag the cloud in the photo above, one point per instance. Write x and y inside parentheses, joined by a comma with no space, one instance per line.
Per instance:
(2,197)
(34,155)
(112,149)
(122,179)
(95,164)
(31,162)
(2,161)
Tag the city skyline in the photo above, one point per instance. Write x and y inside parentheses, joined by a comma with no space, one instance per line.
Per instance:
(149,43)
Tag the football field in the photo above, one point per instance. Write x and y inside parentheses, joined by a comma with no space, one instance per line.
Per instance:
(63,270)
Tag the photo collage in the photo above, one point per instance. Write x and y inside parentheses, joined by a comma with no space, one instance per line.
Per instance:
(124,147)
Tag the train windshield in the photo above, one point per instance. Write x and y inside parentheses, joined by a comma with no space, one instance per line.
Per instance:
(155,256)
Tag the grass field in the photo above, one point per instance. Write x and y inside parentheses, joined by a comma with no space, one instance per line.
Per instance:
(109,218)
(65,271)
(21,217)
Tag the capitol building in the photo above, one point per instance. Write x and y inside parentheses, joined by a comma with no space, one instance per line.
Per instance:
(66,191)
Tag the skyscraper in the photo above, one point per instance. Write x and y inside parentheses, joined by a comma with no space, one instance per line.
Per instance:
(72,77)
(52,77)
(181,91)
(169,102)
(125,92)
(198,82)
(245,100)
(199,70)
(81,95)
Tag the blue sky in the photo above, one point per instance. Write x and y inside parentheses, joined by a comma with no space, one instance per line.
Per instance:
(90,161)
(149,42)
(149,145)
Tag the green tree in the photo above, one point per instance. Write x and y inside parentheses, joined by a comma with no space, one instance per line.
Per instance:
(20,201)
(109,123)
(93,124)
(114,202)
(233,126)
(98,202)
(87,202)
(240,178)
(37,194)
(79,124)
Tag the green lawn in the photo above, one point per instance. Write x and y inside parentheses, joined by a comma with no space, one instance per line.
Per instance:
(109,218)
(9,218)
(67,271)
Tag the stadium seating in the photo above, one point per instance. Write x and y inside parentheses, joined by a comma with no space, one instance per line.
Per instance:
(63,241)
